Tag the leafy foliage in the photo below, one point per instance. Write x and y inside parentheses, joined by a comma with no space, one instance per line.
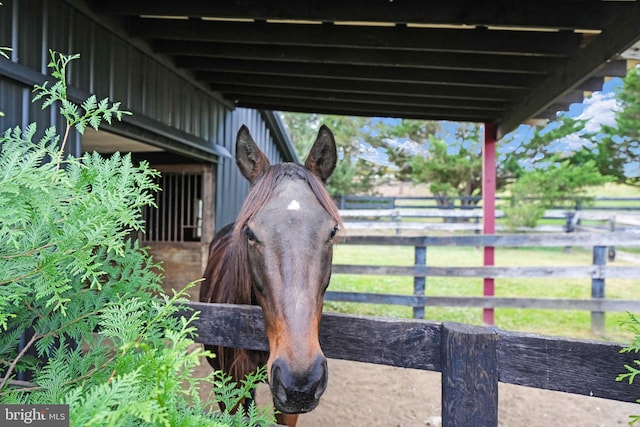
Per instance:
(97,331)
(93,111)
(554,176)
(620,147)
(633,325)
(353,174)
(556,185)
(450,173)
(447,157)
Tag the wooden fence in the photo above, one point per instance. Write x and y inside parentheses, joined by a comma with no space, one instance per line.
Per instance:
(598,272)
(470,219)
(465,214)
(472,359)
(462,202)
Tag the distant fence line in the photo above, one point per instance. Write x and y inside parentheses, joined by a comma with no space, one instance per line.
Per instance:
(470,219)
(598,272)
(471,202)
(465,214)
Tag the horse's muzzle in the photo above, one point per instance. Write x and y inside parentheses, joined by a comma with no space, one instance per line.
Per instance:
(298,392)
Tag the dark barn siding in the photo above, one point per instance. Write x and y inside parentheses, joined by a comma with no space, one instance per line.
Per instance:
(170,110)
(236,187)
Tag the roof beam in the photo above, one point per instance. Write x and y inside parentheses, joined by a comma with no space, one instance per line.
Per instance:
(244,93)
(620,35)
(423,39)
(220,79)
(364,73)
(365,110)
(378,57)
(459,12)
(289,101)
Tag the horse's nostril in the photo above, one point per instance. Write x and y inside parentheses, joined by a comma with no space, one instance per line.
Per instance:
(324,379)
(295,392)
(277,388)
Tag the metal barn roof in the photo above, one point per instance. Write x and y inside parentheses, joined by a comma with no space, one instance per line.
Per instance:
(503,62)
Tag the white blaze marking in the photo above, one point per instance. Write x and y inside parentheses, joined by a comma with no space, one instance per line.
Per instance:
(294,206)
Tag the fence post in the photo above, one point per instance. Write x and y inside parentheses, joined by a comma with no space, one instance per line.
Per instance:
(396,217)
(597,290)
(570,225)
(612,249)
(419,283)
(469,376)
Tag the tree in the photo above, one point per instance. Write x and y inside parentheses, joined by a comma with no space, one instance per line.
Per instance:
(446,156)
(617,152)
(302,129)
(536,174)
(558,184)
(450,173)
(353,174)
(390,136)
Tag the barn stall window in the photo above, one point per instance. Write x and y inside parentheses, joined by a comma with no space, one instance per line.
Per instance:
(180,208)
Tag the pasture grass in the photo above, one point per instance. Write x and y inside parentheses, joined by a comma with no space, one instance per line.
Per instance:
(567,323)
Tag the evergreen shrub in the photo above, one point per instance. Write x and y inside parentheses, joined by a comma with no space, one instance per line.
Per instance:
(83,318)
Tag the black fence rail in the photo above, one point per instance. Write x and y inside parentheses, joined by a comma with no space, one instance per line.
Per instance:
(472,359)
(597,272)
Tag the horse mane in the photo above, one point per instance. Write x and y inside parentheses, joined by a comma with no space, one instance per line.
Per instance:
(227,278)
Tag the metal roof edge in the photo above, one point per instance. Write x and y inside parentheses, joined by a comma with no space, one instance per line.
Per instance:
(30,77)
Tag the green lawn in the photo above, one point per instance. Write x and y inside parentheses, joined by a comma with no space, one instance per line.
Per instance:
(563,323)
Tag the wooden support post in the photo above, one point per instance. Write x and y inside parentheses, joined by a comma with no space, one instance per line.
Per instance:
(469,376)
(597,290)
(489,209)
(419,283)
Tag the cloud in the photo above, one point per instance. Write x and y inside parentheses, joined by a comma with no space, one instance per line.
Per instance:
(600,109)
(375,155)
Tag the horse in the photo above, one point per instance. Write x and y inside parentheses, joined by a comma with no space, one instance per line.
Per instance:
(277,254)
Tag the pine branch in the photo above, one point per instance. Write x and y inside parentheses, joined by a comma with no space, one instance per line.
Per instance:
(13,364)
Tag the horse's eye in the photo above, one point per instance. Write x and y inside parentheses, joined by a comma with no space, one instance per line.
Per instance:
(250,234)
(334,231)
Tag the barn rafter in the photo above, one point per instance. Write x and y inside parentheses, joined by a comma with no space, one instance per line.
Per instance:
(502,62)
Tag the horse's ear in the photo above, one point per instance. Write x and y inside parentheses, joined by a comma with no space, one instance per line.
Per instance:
(250,160)
(323,156)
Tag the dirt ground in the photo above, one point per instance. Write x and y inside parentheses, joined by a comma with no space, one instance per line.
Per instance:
(361,394)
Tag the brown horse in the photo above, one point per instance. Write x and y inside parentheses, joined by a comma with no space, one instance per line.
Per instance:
(277,254)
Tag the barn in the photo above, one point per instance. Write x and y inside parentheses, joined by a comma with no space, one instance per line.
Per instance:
(193,71)
(181,126)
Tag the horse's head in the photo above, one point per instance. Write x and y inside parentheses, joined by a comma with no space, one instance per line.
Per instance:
(287,226)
